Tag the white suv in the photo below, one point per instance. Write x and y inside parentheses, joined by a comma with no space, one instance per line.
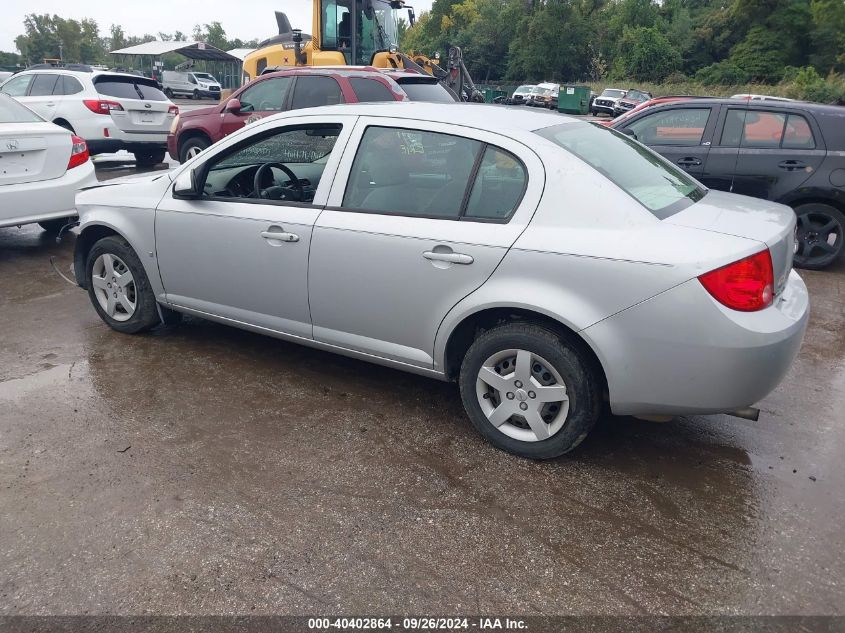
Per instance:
(111,111)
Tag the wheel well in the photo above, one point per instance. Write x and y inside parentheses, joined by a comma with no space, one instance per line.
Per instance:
(468,330)
(836,204)
(84,243)
(65,124)
(186,136)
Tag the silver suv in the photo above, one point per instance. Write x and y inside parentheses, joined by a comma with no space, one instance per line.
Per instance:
(543,262)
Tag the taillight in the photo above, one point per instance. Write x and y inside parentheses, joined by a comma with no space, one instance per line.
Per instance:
(746,285)
(79,152)
(174,110)
(101,106)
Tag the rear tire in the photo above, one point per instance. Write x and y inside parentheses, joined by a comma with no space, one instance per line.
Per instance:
(821,235)
(111,290)
(532,366)
(54,226)
(192,147)
(149,157)
(168,93)
(196,94)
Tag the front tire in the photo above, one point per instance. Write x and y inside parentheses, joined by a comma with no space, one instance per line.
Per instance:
(821,235)
(119,288)
(196,95)
(528,391)
(192,147)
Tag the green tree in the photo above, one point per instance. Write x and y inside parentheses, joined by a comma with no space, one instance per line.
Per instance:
(646,55)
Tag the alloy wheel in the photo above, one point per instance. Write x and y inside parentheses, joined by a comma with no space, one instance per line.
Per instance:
(819,238)
(522,395)
(114,287)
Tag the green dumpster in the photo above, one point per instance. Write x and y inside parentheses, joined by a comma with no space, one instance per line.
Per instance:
(490,94)
(574,99)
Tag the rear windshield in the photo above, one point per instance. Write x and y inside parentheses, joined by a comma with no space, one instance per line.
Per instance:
(129,88)
(13,112)
(655,183)
(432,92)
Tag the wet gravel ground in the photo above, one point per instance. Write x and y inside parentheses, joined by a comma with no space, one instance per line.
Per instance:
(206,470)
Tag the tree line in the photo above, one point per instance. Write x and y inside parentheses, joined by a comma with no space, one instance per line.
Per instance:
(711,42)
(80,41)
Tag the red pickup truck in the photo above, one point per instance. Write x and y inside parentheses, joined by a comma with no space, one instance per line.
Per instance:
(194,130)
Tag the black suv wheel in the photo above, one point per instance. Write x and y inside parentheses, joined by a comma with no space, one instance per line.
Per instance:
(820,242)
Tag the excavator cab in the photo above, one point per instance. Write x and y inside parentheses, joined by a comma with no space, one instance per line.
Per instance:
(359,28)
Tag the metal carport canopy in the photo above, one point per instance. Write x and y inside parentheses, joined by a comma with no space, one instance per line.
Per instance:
(191,50)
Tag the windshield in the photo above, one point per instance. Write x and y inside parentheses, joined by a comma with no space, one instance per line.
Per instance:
(375,24)
(205,76)
(523,90)
(615,94)
(124,87)
(430,91)
(653,182)
(13,112)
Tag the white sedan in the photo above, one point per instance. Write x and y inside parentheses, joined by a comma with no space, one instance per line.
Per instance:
(42,166)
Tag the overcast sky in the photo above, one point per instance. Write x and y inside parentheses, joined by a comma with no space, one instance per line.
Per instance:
(245,20)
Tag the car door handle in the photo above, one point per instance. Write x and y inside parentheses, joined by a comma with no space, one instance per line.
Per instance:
(279,236)
(791,165)
(452,258)
(689,161)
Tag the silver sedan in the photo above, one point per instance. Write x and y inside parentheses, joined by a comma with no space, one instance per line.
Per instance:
(546,264)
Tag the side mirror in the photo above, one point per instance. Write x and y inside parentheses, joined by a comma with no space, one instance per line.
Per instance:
(233,105)
(186,185)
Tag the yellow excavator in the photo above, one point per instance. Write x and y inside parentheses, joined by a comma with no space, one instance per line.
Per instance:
(356,33)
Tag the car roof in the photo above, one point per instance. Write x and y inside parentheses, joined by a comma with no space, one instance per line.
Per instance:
(493,118)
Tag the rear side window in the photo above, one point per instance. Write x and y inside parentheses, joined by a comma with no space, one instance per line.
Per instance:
(766,130)
(129,88)
(411,172)
(367,90)
(43,85)
(313,91)
(655,183)
(798,134)
(68,86)
(681,126)
(431,92)
(17,86)
(498,187)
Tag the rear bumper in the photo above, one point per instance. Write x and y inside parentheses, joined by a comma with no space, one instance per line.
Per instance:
(682,352)
(45,199)
(108,145)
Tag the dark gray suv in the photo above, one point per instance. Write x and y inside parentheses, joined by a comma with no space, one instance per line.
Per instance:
(790,152)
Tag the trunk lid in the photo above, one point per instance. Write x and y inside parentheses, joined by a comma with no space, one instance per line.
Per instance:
(145,107)
(767,222)
(32,151)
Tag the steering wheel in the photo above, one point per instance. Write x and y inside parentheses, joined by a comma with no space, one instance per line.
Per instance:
(277,192)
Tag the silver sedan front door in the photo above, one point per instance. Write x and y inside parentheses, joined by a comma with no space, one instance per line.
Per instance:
(241,253)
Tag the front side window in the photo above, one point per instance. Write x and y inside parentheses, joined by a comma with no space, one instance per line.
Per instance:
(285,165)
(43,85)
(656,184)
(17,86)
(267,95)
(681,126)
(314,91)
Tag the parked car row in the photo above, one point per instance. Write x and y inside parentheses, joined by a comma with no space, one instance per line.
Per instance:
(510,299)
